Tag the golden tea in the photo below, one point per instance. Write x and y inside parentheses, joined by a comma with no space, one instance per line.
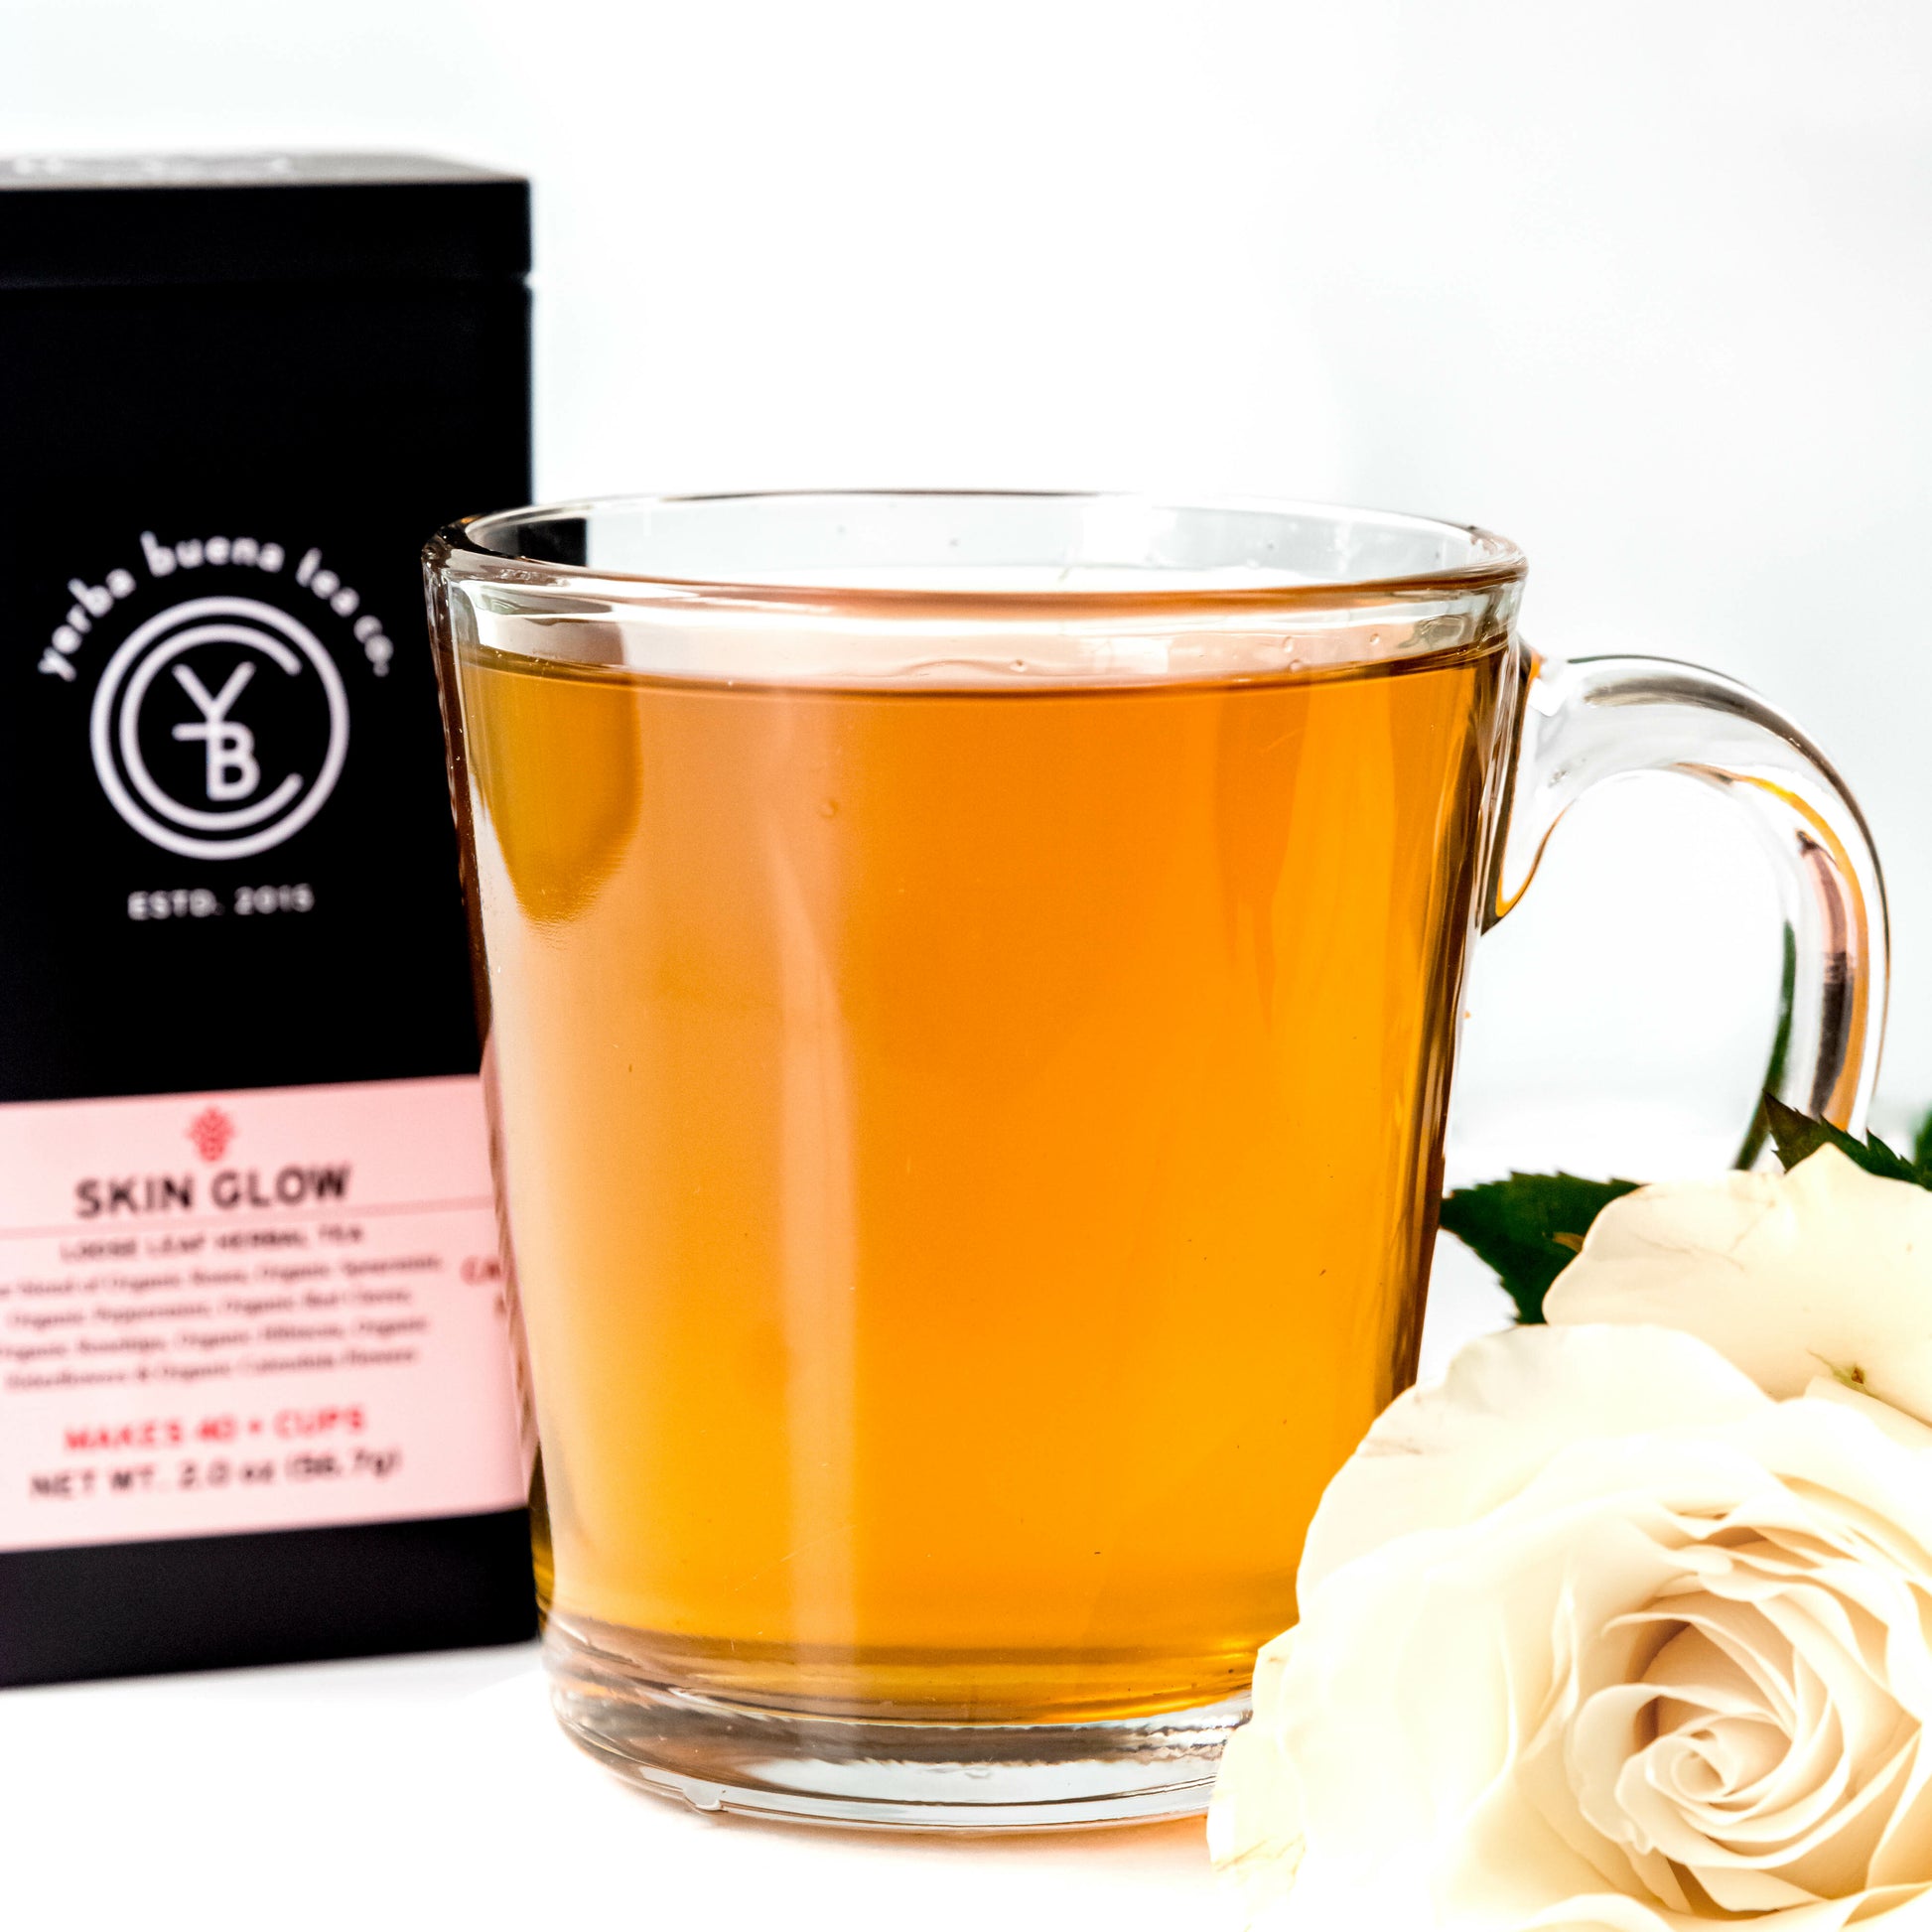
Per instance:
(970,1153)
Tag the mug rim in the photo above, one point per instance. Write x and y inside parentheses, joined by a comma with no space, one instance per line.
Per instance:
(1495,561)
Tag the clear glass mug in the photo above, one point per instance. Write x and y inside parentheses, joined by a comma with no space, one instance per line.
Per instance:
(971,990)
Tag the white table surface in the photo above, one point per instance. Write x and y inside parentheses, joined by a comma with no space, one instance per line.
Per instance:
(437,1792)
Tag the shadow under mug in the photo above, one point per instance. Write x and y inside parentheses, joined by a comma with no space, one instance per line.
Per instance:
(971,987)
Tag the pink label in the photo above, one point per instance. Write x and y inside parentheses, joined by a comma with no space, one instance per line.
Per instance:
(254,1311)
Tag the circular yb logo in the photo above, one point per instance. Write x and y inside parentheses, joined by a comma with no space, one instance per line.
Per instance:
(220,728)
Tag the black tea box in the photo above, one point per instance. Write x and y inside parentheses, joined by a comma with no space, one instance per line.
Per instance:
(257,1394)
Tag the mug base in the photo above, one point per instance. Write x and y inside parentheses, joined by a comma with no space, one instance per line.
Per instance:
(890,1774)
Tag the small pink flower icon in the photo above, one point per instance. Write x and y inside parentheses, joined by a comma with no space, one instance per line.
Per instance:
(211,1130)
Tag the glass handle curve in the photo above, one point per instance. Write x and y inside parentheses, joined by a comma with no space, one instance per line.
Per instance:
(1601,718)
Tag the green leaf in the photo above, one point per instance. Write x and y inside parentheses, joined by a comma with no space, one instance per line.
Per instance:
(1797,1136)
(1529,1227)
(1760,1128)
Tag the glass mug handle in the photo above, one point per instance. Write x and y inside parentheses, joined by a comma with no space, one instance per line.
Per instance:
(1604,718)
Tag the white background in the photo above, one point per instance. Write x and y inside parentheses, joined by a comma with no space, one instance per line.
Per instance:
(1646,286)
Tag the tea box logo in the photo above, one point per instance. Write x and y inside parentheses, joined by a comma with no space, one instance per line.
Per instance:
(219,724)
(231,787)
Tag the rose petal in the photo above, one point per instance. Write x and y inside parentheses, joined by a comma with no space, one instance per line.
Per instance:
(1397,1709)
(1907,1431)
(1903,1853)
(1757,1265)
(1444,1454)
(1254,1824)
(1736,1756)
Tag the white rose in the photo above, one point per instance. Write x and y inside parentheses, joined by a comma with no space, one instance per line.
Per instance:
(1596,1634)
(1824,1272)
